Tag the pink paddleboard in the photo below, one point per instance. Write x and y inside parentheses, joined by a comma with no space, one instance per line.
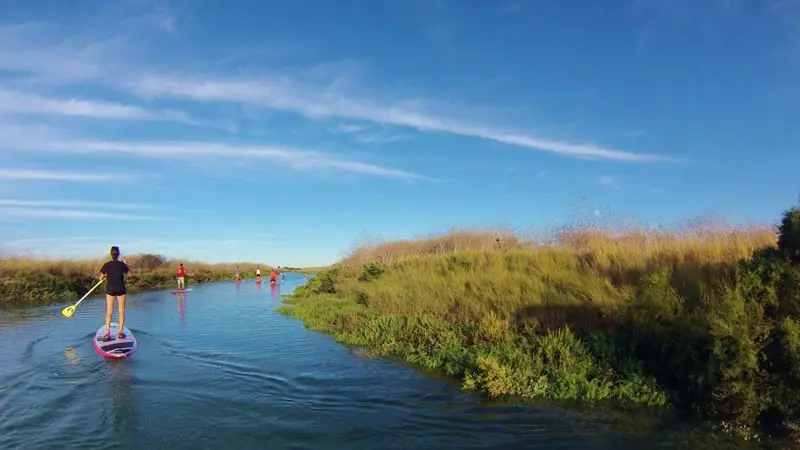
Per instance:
(115,348)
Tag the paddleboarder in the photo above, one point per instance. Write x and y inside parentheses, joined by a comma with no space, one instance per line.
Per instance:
(181,276)
(258,275)
(273,277)
(114,272)
(236,275)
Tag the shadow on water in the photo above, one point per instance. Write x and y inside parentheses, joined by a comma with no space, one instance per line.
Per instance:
(182,310)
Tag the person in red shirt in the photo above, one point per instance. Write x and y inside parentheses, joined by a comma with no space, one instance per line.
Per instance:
(181,276)
(273,277)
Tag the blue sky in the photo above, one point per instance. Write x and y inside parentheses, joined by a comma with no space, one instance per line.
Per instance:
(284,131)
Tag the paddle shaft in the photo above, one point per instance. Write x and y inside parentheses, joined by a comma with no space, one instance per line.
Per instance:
(90,291)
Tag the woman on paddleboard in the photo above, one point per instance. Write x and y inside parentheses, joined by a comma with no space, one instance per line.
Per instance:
(114,272)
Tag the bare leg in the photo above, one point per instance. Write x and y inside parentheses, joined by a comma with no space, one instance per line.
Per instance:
(109,311)
(121,304)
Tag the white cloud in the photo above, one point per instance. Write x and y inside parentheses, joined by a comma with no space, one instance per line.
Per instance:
(52,175)
(34,241)
(319,102)
(8,212)
(298,159)
(360,134)
(609,181)
(19,102)
(290,92)
(348,128)
(69,204)
(84,246)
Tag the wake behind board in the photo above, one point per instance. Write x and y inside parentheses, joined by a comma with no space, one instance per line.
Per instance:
(182,291)
(114,348)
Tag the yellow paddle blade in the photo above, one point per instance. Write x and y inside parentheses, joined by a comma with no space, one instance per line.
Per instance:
(67,312)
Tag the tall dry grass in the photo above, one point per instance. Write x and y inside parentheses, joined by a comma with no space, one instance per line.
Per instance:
(632,247)
(581,276)
(11,264)
(30,282)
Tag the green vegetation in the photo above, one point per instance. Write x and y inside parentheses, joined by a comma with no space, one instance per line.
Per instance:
(27,282)
(704,320)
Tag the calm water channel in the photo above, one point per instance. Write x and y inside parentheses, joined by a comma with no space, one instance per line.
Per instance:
(219,368)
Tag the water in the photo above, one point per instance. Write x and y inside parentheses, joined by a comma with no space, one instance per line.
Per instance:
(218,367)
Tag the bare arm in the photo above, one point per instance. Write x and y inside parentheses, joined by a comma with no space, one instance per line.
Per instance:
(129,272)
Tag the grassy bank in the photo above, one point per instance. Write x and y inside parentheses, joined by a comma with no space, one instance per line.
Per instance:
(28,282)
(700,319)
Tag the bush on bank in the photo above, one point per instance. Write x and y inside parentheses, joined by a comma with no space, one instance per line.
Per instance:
(708,324)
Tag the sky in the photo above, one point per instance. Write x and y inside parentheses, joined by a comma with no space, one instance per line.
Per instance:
(286,131)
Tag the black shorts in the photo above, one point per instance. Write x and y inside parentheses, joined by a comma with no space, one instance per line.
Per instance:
(115,292)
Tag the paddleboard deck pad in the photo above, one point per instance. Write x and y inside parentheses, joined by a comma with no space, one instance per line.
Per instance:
(115,348)
(182,291)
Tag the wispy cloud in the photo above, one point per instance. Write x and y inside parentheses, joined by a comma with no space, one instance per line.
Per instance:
(86,246)
(298,159)
(307,96)
(35,241)
(53,175)
(69,204)
(348,128)
(364,136)
(609,181)
(10,213)
(20,102)
(55,56)
(320,102)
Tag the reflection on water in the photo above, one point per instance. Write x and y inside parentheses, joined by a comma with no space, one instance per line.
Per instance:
(182,309)
(273,290)
(72,358)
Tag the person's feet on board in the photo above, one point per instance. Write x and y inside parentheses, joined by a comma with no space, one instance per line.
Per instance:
(181,276)
(114,272)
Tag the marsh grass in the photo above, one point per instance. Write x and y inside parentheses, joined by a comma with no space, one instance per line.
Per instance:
(702,317)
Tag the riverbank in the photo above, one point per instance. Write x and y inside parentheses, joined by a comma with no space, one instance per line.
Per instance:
(702,320)
(28,282)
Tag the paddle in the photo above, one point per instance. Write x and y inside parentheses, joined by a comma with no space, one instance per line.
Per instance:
(69,310)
